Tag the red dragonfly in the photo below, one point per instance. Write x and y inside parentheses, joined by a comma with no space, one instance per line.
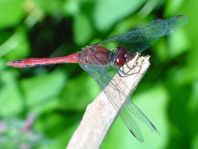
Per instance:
(113,53)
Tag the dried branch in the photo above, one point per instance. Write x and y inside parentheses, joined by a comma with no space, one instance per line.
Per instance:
(100,114)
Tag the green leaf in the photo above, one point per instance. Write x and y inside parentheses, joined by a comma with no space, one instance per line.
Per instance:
(178,44)
(108,12)
(10,95)
(82,29)
(193,102)
(192,32)
(172,6)
(72,7)
(16,46)
(41,91)
(195,142)
(79,92)
(11,12)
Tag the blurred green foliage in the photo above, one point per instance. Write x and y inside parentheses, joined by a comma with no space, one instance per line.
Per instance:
(58,95)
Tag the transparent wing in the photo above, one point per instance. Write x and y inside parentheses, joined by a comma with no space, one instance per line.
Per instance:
(140,38)
(115,96)
(135,40)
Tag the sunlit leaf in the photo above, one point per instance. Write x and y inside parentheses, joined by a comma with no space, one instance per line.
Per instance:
(16,46)
(11,12)
(108,12)
(172,6)
(178,44)
(10,95)
(82,29)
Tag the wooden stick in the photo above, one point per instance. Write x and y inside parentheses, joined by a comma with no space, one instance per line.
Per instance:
(100,114)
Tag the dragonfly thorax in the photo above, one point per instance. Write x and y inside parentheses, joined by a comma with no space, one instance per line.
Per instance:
(95,55)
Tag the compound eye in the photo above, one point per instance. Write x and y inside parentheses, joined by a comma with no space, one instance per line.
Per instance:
(120,60)
(121,50)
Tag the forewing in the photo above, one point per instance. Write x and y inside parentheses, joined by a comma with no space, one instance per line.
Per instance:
(140,38)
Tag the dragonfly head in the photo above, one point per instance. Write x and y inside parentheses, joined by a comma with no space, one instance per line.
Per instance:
(122,57)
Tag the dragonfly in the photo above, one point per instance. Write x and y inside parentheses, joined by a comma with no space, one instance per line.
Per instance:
(97,59)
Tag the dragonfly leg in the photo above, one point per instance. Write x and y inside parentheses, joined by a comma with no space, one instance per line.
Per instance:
(134,66)
(124,73)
